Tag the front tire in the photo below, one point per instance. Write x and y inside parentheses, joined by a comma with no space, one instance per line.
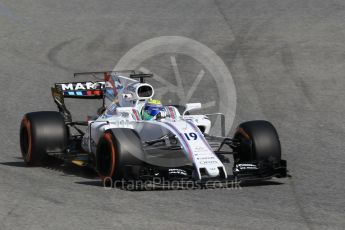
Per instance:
(106,163)
(116,149)
(259,142)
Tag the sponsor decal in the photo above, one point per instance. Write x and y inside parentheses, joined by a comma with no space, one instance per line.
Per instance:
(77,86)
(179,172)
(205,158)
(208,162)
(82,88)
(83,93)
(240,167)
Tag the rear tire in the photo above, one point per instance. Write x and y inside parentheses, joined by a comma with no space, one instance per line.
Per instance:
(40,133)
(259,143)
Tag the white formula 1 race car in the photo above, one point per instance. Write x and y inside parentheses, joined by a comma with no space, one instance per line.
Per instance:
(123,143)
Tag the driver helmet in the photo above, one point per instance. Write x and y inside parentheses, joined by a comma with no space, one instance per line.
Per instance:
(153,109)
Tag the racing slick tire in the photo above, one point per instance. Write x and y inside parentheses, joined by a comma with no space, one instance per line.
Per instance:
(117,149)
(259,142)
(40,133)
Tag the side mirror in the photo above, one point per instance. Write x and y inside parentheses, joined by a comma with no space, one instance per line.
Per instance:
(191,106)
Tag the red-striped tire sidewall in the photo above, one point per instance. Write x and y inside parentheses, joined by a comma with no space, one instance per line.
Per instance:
(27,154)
(108,138)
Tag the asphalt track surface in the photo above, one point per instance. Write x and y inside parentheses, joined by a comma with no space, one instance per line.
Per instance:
(287,61)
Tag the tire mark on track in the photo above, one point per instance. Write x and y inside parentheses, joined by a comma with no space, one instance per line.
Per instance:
(290,68)
(53,55)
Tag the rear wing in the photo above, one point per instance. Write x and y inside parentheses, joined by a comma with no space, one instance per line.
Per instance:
(94,89)
(89,89)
